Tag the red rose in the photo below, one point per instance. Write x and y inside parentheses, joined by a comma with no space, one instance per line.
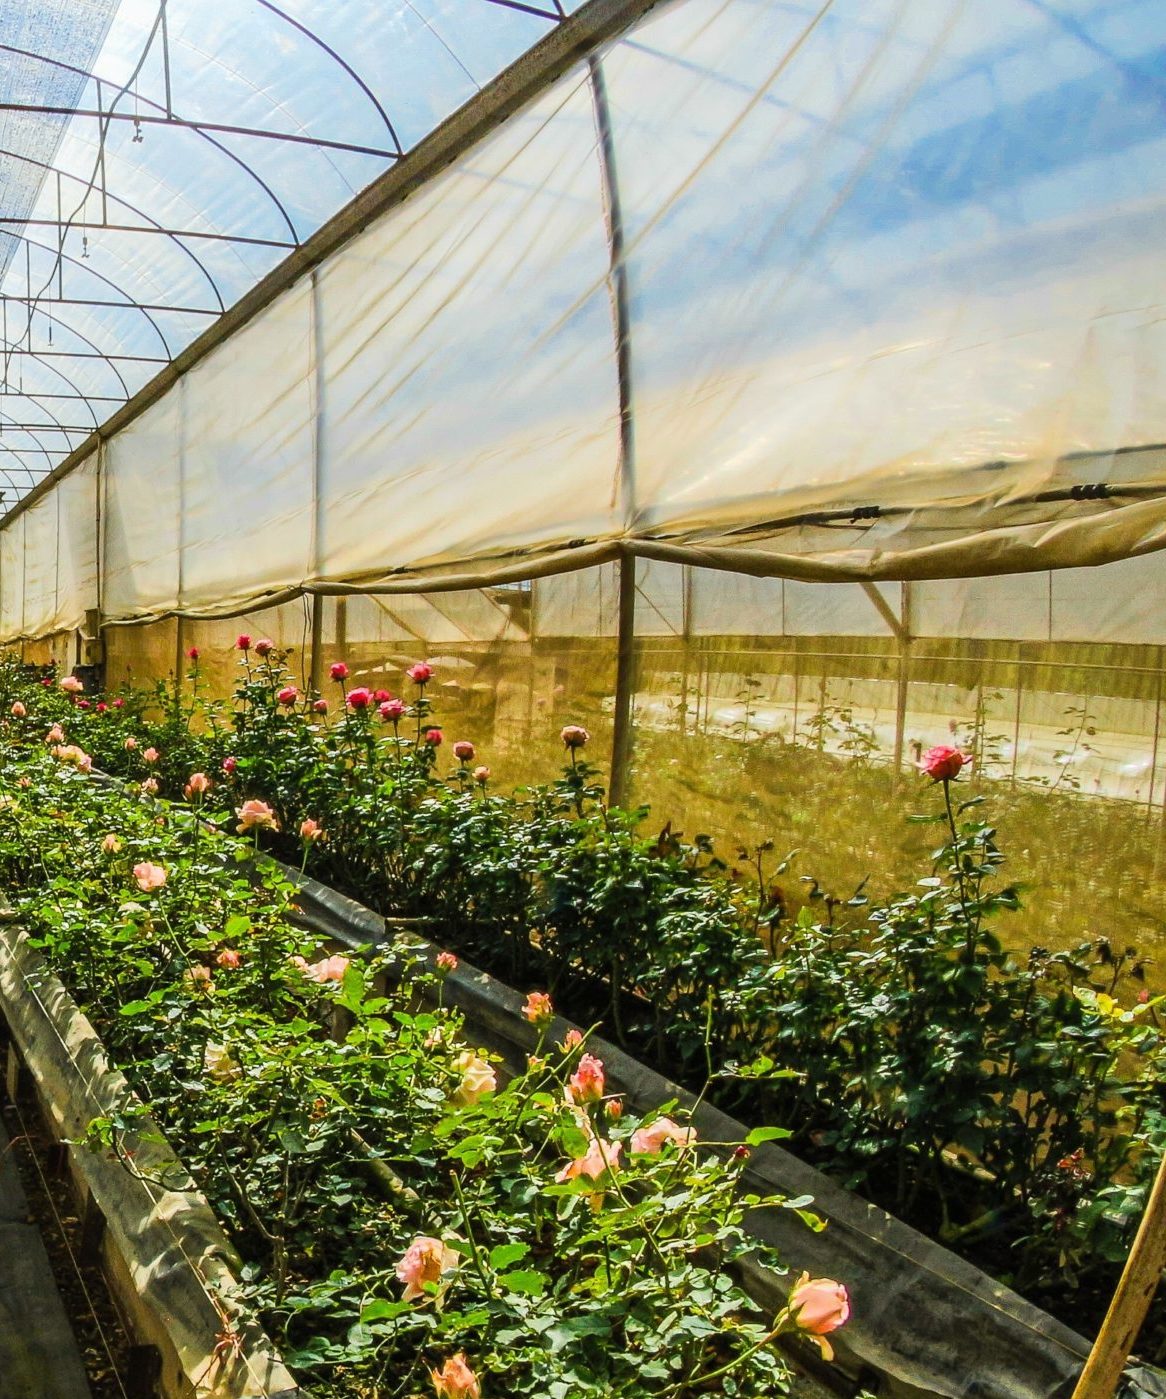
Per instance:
(943,763)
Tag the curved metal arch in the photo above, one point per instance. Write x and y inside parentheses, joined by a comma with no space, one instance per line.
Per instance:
(157,106)
(34,398)
(54,424)
(132,305)
(40,445)
(125,204)
(66,325)
(348,68)
(33,476)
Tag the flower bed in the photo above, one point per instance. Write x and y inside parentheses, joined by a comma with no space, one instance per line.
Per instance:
(406,1223)
(1011,1111)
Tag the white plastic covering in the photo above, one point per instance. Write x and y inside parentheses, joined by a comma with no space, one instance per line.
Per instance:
(892,311)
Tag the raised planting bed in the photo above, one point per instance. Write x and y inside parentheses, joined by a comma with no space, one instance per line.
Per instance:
(166,1259)
(924,1322)
(397,1212)
(1007,1106)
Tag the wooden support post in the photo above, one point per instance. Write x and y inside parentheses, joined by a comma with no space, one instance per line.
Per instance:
(625,682)
(1131,1301)
(143,1372)
(90,1232)
(16,1080)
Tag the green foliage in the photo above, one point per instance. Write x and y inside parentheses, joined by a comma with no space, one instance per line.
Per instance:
(327,1153)
(1011,1108)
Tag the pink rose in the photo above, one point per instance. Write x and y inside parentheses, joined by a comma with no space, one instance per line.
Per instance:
(327,969)
(574,736)
(130,744)
(391,711)
(381,696)
(649,1141)
(572,1040)
(149,876)
(481,775)
(102,707)
(311,831)
(18,710)
(111,845)
(463,750)
(229,765)
(264,646)
(338,670)
(70,684)
(446,962)
(943,764)
(420,673)
(433,737)
(83,704)
(255,815)
(538,1008)
(55,735)
(819,1306)
(614,1109)
(424,1261)
(229,959)
(360,698)
(243,642)
(288,696)
(320,706)
(192,653)
(455,1379)
(119,703)
(151,755)
(150,787)
(600,1156)
(586,1084)
(199,784)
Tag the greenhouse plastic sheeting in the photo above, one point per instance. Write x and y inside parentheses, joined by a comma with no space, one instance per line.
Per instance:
(890,311)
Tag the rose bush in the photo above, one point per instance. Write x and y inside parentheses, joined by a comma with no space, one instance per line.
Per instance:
(410,1222)
(904,1048)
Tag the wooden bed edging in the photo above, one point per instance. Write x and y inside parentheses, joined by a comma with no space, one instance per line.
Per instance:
(165,1255)
(924,1321)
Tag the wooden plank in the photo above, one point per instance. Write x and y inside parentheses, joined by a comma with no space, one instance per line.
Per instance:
(39,1358)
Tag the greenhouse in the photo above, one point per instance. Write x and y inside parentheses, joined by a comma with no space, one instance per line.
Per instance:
(582,699)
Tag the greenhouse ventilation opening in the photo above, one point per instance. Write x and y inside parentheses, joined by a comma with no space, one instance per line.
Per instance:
(745,379)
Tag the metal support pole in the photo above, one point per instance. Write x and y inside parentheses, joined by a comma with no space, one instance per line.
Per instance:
(904,636)
(342,626)
(625,682)
(1016,720)
(316,645)
(1157,734)
(686,643)
(179,652)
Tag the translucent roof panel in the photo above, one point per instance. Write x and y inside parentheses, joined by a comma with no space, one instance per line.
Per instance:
(159,157)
